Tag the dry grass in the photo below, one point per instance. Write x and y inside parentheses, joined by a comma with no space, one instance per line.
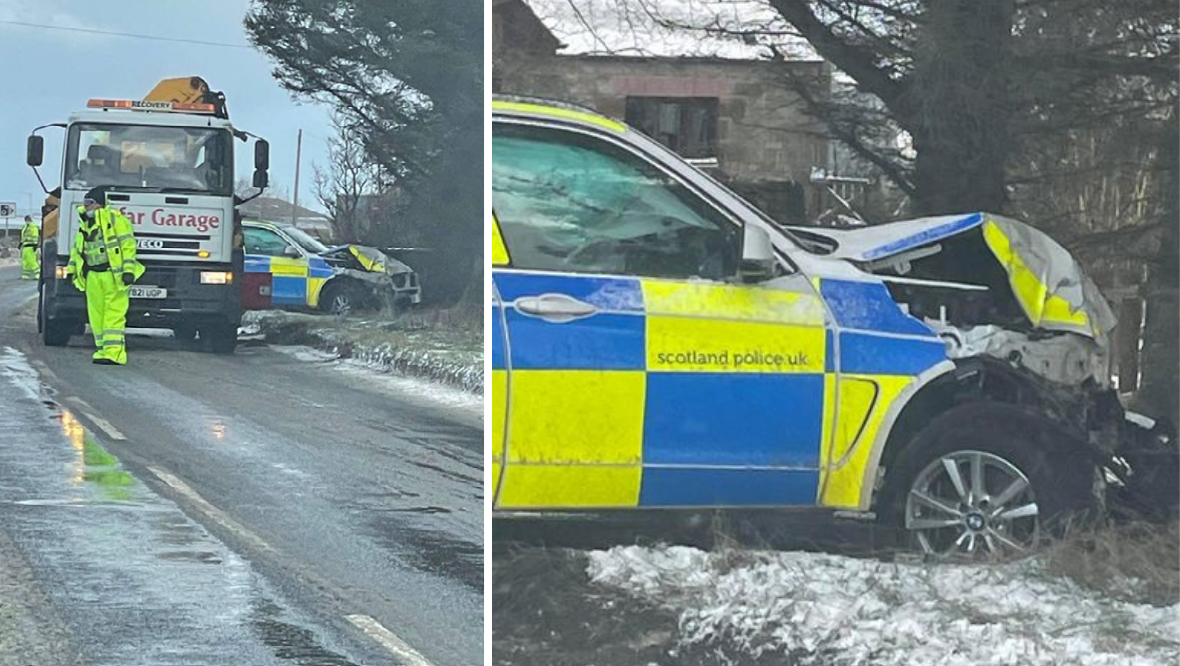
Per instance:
(1135,562)
(464,317)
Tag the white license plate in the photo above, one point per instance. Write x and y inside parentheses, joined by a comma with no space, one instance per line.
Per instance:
(148,292)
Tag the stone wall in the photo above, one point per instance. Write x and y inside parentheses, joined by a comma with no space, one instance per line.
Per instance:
(763,135)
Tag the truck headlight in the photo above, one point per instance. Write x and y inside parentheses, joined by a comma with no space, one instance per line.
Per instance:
(61,272)
(217,277)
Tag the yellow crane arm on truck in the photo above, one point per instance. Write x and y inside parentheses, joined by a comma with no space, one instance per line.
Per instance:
(187,90)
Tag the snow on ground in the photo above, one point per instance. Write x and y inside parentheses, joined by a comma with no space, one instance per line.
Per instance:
(306,354)
(830,609)
(376,375)
(411,347)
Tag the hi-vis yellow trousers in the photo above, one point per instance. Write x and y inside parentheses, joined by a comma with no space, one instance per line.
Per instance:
(106,303)
(29,268)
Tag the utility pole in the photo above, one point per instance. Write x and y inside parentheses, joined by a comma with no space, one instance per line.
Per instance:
(298,156)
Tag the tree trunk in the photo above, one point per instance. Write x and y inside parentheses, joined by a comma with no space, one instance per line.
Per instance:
(1159,393)
(958,100)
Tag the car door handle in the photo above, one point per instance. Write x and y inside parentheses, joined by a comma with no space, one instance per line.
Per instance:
(557,308)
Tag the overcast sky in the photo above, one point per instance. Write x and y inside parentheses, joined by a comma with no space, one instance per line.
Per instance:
(45,74)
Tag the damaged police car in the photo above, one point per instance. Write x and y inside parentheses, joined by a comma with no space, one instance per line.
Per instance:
(285,267)
(660,344)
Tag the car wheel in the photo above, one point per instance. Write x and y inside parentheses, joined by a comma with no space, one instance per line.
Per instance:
(986,480)
(340,299)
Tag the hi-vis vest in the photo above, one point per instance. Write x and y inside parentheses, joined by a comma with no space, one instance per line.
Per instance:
(107,240)
(30,235)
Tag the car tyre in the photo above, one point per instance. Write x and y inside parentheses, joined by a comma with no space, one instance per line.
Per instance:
(987,481)
(340,298)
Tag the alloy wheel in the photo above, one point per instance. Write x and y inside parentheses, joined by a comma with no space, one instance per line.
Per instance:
(972,504)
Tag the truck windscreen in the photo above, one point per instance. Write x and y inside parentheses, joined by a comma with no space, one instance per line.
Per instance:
(150,158)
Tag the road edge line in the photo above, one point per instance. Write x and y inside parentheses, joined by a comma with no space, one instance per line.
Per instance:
(389,640)
(371,628)
(102,424)
(213,513)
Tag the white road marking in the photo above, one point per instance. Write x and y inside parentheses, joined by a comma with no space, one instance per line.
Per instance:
(211,512)
(103,424)
(389,640)
(373,629)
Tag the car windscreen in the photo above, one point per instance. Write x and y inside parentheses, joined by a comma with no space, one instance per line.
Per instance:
(150,158)
(306,240)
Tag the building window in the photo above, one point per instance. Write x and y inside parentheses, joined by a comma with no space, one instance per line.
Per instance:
(687,125)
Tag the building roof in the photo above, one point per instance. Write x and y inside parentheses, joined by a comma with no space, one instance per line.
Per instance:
(724,29)
(270,208)
(521,28)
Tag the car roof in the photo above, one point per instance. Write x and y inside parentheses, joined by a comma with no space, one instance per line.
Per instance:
(548,109)
(264,223)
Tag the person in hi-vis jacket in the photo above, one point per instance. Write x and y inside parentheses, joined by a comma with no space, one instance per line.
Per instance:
(30,242)
(103,266)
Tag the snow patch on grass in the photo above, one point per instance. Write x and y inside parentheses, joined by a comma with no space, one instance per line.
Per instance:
(403,346)
(422,388)
(830,609)
(376,376)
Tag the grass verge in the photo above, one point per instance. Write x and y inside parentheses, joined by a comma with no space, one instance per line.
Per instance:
(445,346)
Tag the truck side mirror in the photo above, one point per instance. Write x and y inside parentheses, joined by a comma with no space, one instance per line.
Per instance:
(758,259)
(261,155)
(260,179)
(35,151)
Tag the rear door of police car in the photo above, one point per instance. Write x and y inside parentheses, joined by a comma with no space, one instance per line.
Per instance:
(638,370)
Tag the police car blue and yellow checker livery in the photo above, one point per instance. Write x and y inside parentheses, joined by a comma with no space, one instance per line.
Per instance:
(279,272)
(618,390)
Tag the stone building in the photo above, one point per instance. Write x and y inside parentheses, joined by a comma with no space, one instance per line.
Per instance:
(729,112)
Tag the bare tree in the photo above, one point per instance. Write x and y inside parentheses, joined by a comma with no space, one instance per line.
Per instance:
(1061,112)
(349,176)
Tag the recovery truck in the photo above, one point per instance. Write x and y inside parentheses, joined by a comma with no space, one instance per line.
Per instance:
(167,162)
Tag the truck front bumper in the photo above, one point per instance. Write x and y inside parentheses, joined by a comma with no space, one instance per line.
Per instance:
(188,302)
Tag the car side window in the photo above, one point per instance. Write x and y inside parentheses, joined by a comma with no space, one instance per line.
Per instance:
(265,242)
(571,202)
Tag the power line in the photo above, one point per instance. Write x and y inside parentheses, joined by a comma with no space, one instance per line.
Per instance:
(124,34)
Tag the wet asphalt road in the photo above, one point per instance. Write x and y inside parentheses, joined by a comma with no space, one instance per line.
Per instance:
(254,509)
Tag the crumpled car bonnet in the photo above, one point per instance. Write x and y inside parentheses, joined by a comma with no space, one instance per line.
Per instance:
(1046,280)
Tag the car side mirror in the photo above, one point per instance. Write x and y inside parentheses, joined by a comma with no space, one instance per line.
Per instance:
(291,252)
(758,258)
(35,151)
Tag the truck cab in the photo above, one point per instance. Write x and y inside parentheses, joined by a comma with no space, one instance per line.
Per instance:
(169,168)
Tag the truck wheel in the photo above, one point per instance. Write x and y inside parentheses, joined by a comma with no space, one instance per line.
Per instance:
(986,480)
(223,338)
(185,332)
(54,332)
